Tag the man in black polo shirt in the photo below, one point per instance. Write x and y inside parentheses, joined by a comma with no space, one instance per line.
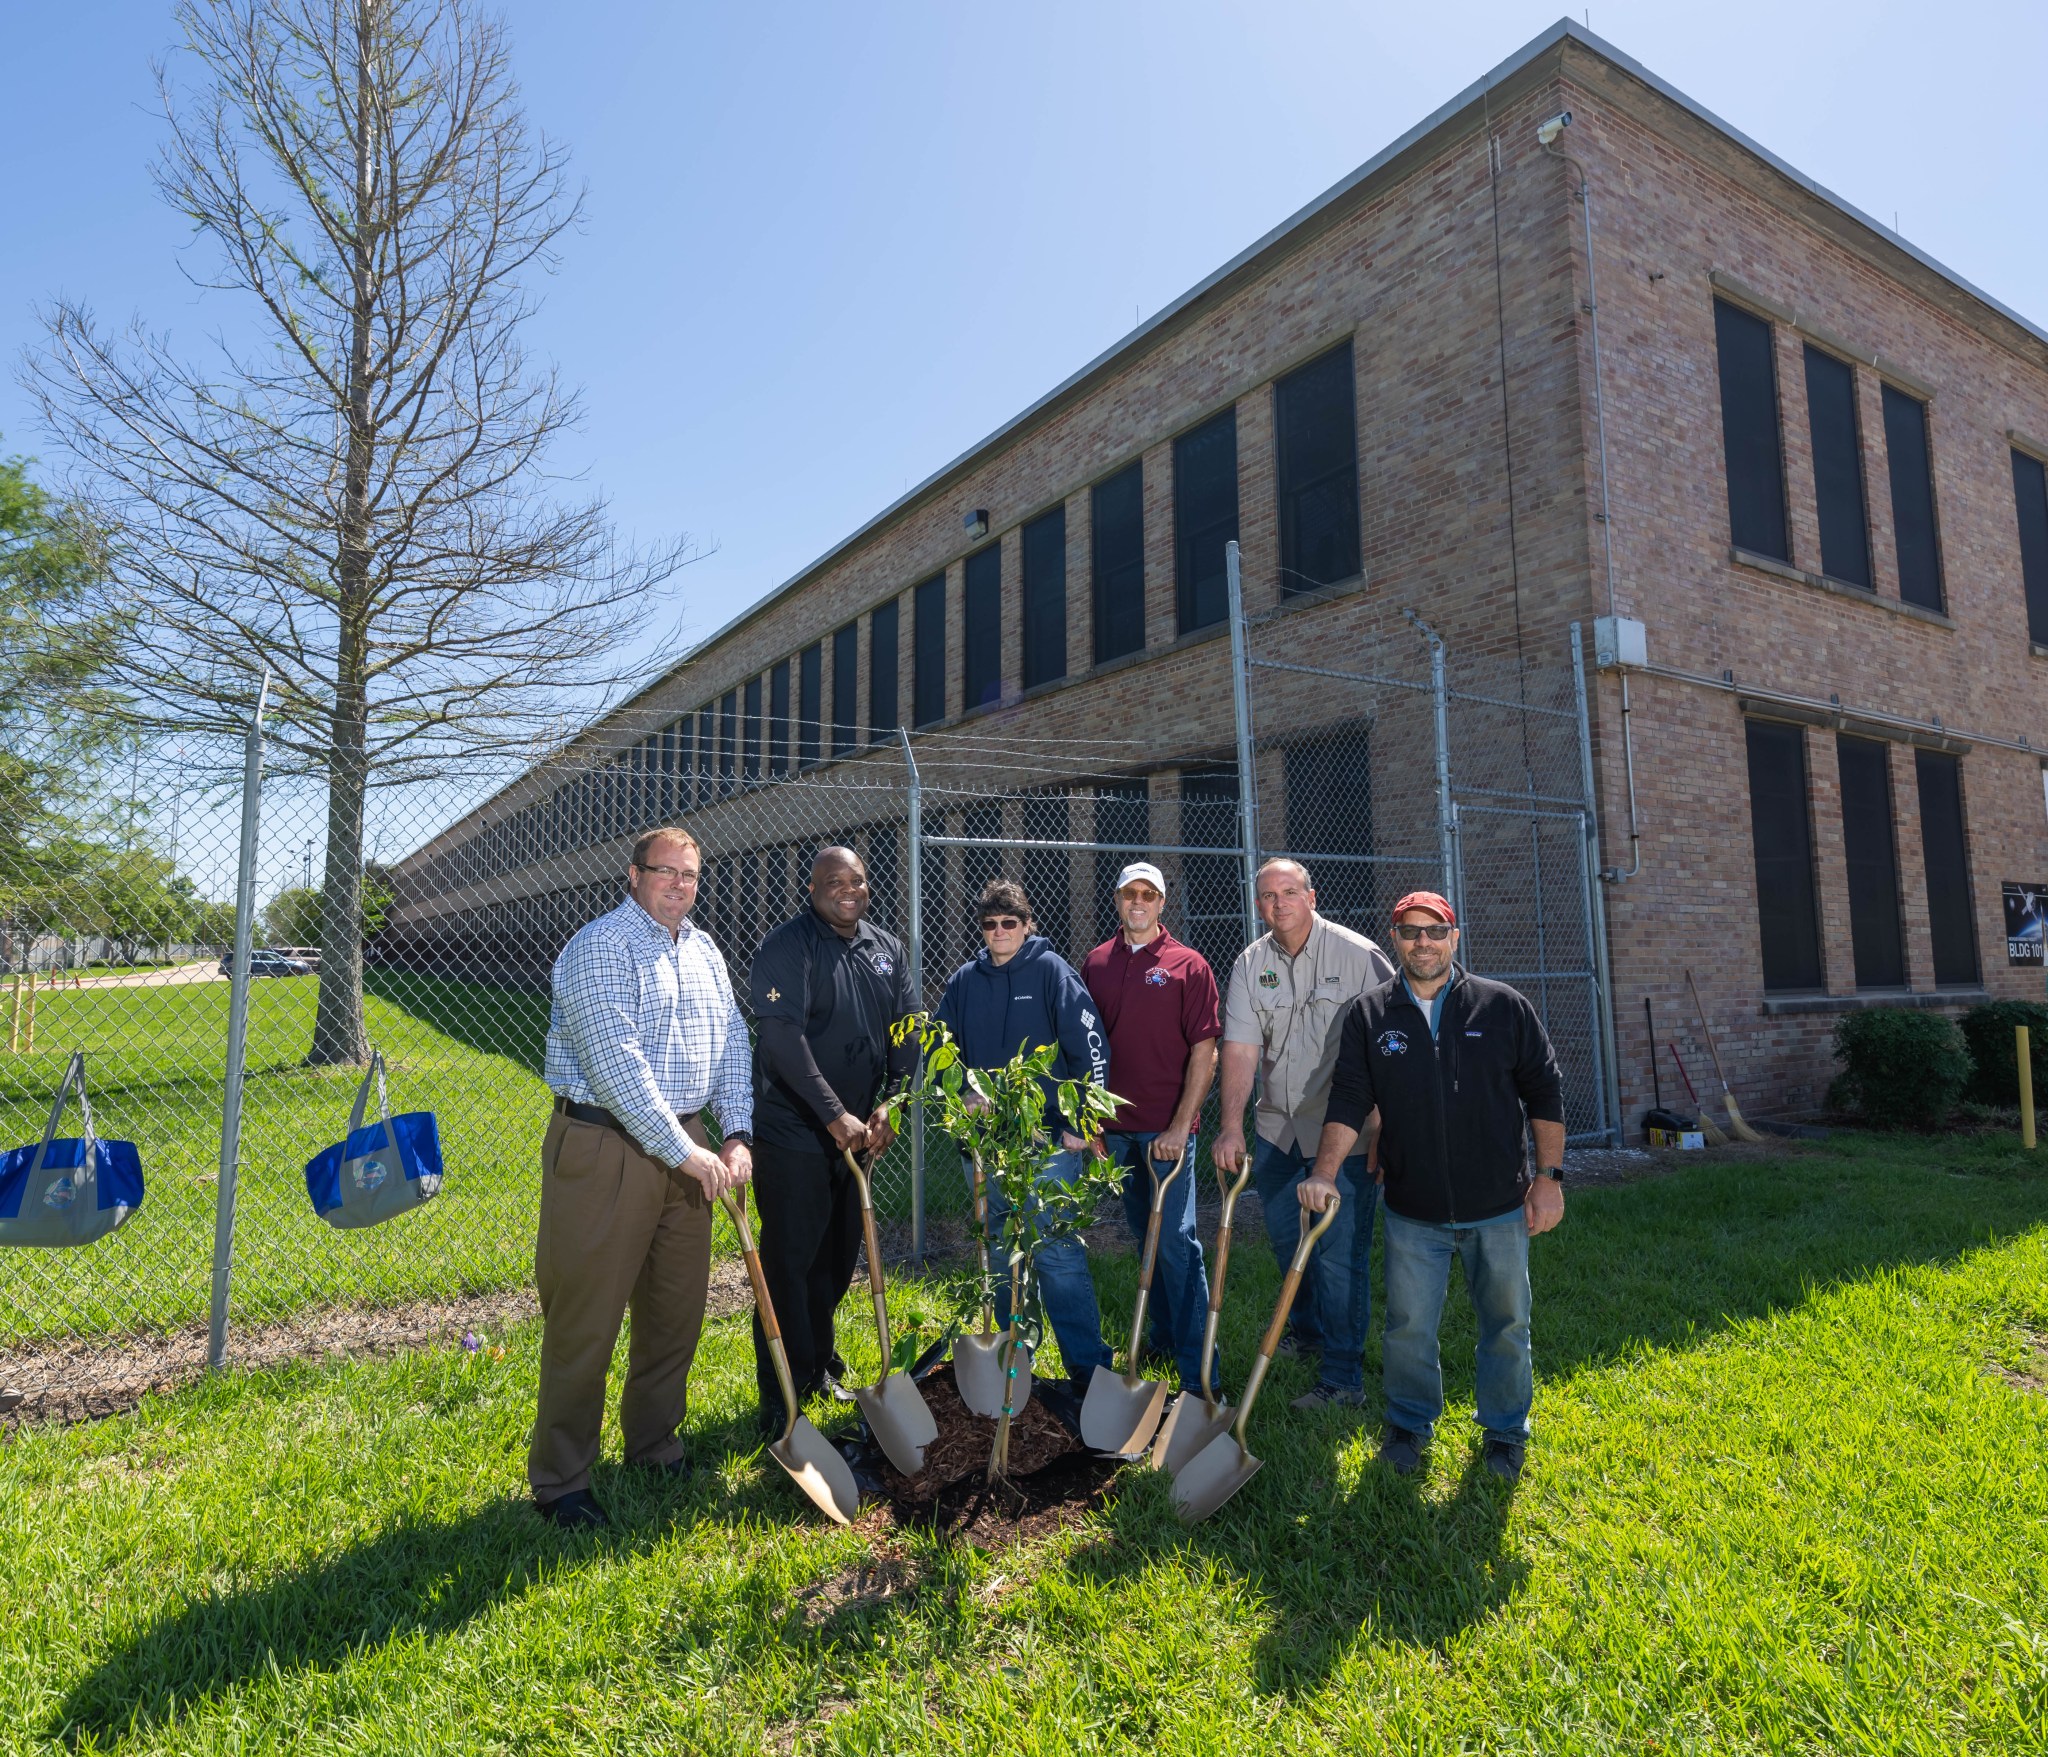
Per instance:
(827,985)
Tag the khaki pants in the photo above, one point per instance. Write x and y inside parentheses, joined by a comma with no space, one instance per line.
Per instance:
(616,1232)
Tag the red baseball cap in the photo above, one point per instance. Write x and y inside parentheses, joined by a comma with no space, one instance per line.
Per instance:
(1429,900)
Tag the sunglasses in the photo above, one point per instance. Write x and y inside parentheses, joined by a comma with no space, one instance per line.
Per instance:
(1007,923)
(1410,932)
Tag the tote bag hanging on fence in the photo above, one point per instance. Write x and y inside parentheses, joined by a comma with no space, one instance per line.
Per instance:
(68,1192)
(390,1167)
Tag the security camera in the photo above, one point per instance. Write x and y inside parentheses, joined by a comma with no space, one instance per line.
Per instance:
(1553,128)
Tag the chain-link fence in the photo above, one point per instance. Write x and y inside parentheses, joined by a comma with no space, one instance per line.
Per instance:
(1364,747)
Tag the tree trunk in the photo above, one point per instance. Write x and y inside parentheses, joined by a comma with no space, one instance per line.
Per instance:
(338,1034)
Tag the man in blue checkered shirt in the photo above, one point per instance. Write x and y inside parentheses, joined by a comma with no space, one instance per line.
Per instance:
(644,1033)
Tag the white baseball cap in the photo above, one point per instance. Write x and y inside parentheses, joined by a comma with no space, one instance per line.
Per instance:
(1142,869)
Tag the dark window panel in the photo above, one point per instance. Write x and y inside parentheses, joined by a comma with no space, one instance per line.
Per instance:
(1043,561)
(1123,815)
(1329,813)
(884,877)
(845,688)
(1117,563)
(982,629)
(810,703)
(1212,900)
(1870,851)
(750,737)
(1749,432)
(2030,498)
(1951,918)
(928,664)
(1837,468)
(977,867)
(728,743)
(778,719)
(1910,463)
(1049,872)
(707,762)
(1781,829)
(1315,418)
(1204,519)
(671,743)
(883,719)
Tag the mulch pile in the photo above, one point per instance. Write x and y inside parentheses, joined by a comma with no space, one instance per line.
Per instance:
(1054,1478)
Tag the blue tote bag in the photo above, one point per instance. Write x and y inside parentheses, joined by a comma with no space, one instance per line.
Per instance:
(72,1191)
(390,1167)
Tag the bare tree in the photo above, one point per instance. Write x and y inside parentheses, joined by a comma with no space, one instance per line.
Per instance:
(354,493)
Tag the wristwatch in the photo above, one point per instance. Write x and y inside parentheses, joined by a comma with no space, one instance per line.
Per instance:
(1554,1172)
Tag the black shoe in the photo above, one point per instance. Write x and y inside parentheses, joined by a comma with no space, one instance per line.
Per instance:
(674,1470)
(833,1389)
(769,1420)
(1401,1450)
(1504,1459)
(575,1510)
(1293,1348)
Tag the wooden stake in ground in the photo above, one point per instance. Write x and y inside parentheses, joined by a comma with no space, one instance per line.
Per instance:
(1740,1129)
(2026,1055)
(14,1015)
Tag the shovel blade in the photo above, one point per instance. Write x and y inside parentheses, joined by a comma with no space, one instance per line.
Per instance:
(1118,1416)
(900,1420)
(1211,1477)
(816,1467)
(1188,1428)
(978,1373)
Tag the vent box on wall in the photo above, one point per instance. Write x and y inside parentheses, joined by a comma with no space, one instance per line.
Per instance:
(1619,640)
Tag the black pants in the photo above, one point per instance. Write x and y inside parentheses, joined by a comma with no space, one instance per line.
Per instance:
(810,1237)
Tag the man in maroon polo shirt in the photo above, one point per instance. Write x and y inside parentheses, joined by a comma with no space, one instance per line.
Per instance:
(1158,1003)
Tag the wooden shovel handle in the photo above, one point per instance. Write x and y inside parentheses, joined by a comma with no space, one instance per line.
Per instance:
(867,1232)
(762,1303)
(1231,1192)
(1295,1270)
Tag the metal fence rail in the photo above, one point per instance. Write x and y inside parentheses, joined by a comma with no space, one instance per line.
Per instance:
(1365,747)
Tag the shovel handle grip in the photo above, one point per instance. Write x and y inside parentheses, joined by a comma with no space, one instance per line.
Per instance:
(874,1250)
(1230,1192)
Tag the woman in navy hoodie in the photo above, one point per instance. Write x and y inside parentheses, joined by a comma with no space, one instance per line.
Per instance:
(1018,993)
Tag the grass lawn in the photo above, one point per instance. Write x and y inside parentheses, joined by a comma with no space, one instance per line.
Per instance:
(1782,1499)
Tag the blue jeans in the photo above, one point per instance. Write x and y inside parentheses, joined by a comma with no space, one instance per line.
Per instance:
(1335,1302)
(1495,1254)
(1066,1291)
(1179,1300)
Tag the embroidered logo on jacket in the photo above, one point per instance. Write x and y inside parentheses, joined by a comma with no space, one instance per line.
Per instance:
(883,963)
(1393,1043)
(1156,977)
(1269,979)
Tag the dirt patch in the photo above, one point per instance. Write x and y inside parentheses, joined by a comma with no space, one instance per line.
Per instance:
(879,1581)
(87,1381)
(1054,1479)
(2033,1376)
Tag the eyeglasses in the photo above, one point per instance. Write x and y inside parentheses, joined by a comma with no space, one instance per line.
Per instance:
(1408,932)
(682,875)
(1007,923)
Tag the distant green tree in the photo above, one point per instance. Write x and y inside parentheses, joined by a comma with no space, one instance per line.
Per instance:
(292,918)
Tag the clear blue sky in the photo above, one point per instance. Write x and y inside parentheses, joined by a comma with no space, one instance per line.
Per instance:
(830,246)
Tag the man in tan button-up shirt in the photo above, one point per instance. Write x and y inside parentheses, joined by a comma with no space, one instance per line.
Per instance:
(1281,1021)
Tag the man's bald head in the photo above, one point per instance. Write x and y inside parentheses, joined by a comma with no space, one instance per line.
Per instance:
(839,889)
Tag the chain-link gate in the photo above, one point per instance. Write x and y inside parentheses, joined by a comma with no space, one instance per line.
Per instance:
(1368,749)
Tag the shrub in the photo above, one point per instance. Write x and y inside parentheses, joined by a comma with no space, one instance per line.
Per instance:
(1901,1067)
(1988,1031)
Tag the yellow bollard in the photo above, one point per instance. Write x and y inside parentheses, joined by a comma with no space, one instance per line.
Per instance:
(2026,1088)
(14,1018)
(28,1043)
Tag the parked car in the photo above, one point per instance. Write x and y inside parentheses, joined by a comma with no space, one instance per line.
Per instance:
(264,962)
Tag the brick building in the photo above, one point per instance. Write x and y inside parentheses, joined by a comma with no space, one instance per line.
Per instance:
(1820,501)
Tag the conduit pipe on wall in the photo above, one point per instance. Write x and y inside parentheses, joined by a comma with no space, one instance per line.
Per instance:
(1546,137)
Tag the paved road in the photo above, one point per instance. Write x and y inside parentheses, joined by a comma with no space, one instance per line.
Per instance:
(175,976)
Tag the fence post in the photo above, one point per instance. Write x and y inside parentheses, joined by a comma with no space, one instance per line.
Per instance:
(1596,900)
(1241,704)
(238,1036)
(913,949)
(1446,812)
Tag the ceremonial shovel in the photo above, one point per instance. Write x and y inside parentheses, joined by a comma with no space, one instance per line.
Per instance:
(1192,1422)
(977,1360)
(895,1407)
(1224,1466)
(1119,1414)
(802,1451)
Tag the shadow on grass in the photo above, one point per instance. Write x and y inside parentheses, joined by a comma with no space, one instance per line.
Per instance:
(412,1579)
(511,1022)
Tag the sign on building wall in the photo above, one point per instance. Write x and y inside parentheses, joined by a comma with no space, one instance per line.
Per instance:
(2026,912)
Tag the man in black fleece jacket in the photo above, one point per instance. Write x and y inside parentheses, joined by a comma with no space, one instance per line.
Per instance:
(1447,1066)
